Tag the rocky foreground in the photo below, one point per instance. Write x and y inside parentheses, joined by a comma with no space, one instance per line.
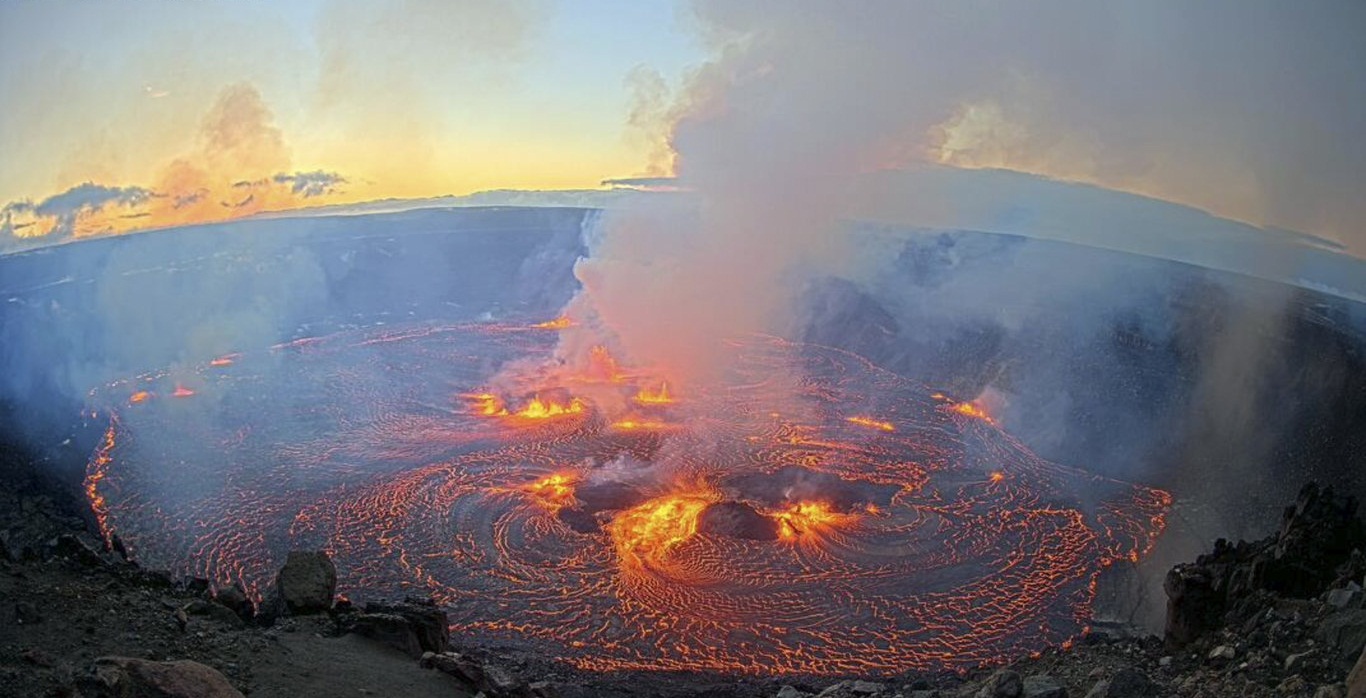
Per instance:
(1282,616)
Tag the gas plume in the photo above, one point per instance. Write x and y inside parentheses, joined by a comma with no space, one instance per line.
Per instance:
(1201,105)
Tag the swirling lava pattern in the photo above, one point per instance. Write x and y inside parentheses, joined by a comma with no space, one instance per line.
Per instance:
(819,515)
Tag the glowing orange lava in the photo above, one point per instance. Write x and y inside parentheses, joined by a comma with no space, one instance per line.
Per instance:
(139,396)
(223,360)
(95,472)
(486,404)
(554,492)
(871,423)
(970,409)
(558,323)
(545,409)
(649,531)
(655,397)
(634,424)
(805,517)
(787,540)
(181,391)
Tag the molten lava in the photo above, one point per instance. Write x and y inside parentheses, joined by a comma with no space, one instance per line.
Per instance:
(223,360)
(139,396)
(181,391)
(799,545)
(633,424)
(803,518)
(871,423)
(558,323)
(649,531)
(970,409)
(486,404)
(546,409)
(655,397)
(554,492)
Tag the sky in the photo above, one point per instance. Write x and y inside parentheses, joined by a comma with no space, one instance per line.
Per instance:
(128,115)
(399,99)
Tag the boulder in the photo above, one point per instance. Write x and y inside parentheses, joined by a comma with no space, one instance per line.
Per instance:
(1356,681)
(235,599)
(307,582)
(499,681)
(1344,631)
(1222,653)
(1002,684)
(1294,662)
(214,611)
(1043,686)
(126,677)
(1345,597)
(1194,605)
(1126,683)
(82,548)
(387,628)
(429,623)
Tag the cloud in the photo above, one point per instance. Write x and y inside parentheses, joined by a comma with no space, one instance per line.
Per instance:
(310,184)
(90,197)
(239,165)
(76,211)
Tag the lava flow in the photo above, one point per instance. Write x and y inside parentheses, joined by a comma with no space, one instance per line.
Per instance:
(864,525)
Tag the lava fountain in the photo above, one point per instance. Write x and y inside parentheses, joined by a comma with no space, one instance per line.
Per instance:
(867,525)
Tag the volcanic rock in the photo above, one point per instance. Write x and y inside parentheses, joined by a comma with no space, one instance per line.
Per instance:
(737,520)
(1043,686)
(1318,537)
(26,613)
(1318,533)
(1126,683)
(1222,653)
(500,682)
(307,582)
(390,629)
(608,494)
(213,611)
(428,622)
(853,689)
(542,689)
(1003,684)
(235,599)
(126,677)
(1345,597)
(1194,605)
(789,692)
(1345,631)
(1356,681)
(79,547)
(1293,662)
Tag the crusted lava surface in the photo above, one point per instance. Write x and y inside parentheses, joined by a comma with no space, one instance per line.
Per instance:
(815,515)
